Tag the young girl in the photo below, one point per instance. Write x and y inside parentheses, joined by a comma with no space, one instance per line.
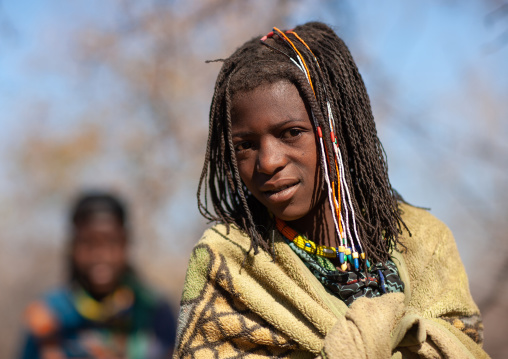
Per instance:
(314,254)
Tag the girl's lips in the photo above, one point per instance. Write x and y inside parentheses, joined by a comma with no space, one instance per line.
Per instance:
(282,195)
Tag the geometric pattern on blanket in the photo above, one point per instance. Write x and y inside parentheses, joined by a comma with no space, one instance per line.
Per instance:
(217,322)
(472,326)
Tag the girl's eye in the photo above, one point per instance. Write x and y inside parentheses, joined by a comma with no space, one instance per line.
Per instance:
(294,132)
(242,146)
(291,133)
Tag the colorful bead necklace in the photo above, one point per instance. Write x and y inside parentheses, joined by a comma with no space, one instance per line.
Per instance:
(345,254)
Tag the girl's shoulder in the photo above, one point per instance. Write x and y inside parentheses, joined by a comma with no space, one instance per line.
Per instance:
(432,267)
(427,243)
(423,228)
(223,237)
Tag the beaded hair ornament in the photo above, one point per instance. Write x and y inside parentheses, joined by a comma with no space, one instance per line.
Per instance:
(339,197)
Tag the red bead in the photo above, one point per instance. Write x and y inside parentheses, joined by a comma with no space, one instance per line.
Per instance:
(270,34)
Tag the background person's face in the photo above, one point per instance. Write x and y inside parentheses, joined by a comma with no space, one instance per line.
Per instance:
(99,253)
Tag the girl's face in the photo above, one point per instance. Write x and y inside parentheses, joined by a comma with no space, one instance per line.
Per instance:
(275,147)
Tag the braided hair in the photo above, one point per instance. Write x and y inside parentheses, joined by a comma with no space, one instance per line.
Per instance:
(338,83)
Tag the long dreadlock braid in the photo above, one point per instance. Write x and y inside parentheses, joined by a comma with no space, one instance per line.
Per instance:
(337,84)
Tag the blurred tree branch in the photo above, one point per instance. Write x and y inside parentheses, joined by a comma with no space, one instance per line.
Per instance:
(499,15)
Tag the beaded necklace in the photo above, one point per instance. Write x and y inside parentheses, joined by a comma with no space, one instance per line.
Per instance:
(348,286)
(345,254)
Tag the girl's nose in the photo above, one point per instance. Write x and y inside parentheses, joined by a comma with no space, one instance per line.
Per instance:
(271,157)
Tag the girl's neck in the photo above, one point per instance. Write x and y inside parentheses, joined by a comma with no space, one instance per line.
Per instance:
(317,225)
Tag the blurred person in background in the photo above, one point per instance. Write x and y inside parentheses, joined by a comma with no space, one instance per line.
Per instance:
(104,310)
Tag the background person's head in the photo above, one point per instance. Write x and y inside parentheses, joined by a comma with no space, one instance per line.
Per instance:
(98,249)
(336,81)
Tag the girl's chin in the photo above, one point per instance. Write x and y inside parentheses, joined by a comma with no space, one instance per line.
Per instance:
(290,214)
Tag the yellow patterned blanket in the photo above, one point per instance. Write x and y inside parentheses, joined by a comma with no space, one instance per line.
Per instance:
(278,308)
